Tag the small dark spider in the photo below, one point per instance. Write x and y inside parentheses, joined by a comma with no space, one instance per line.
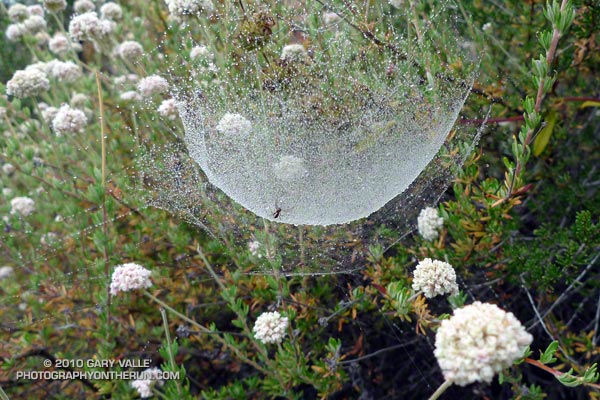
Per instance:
(277,212)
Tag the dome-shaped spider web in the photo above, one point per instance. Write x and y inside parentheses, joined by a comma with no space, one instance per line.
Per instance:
(342,129)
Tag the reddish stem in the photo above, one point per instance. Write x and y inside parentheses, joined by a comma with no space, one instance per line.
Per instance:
(555,372)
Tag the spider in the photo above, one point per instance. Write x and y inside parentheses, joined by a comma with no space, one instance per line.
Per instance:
(277,212)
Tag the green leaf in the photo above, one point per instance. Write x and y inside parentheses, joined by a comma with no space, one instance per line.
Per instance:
(547,356)
(542,139)
(590,103)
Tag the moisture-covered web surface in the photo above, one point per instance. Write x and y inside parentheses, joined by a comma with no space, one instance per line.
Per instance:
(308,134)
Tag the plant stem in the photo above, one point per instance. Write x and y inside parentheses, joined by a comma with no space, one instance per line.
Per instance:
(539,97)
(440,390)
(204,329)
(104,216)
(3,395)
(557,374)
(163,314)
(240,316)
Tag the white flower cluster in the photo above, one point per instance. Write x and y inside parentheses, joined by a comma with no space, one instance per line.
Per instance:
(168,109)
(131,95)
(144,386)
(88,26)
(111,11)
(66,71)
(26,21)
(254,248)
(234,125)
(24,206)
(55,5)
(14,32)
(79,100)
(130,50)
(35,24)
(428,223)
(477,342)
(83,6)
(128,277)
(270,327)
(68,121)
(28,82)
(152,85)
(124,80)
(6,272)
(59,44)
(18,12)
(201,53)
(293,52)
(8,169)
(290,168)
(434,277)
(183,8)
(48,112)
(36,10)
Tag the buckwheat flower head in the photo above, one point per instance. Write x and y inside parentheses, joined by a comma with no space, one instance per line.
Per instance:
(131,95)
(23,206)
(434,277)
(36,10)
(183,8)
(111,11)
(270,327)
(293,52)
(55,5)
(88,26)
(66,71)
(168,109)
(8,169)
(487,27)
(7,192)
(83,6)
(42,38)
(200,53)
(45,67)
(290,168)
(28,82)
(34,24)
(254,248)
(6,272)
(397,3)
(68,121)
(130,49)
(144,386)
(59,44)
(234,125)
(123,80)
(14,32)
(477,342)
(128,277)
(18,12)
(429,222)
(49,113)
(79,100)
(152,85)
